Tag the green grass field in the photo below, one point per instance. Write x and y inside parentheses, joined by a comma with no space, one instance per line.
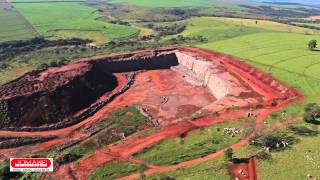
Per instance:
(213,169)
(114,170)
(17,28)
(287,57)
(310,24)
(196,144)
(302,159)
(71,19)
(166,3)
(181,4)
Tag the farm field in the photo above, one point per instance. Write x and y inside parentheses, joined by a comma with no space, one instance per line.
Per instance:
(18,28)
(285,55)
(212,29)
(173,3)
(310,24)
(72,19)
(217,29)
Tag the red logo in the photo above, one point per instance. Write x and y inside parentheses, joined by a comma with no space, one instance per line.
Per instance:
(31,163)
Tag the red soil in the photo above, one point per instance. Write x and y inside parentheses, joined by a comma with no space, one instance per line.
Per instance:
(132,145)
(165,94)
(169,98)
(245,171)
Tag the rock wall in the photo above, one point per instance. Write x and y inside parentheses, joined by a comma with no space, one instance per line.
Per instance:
(53,102)
(206,72)
(137,63)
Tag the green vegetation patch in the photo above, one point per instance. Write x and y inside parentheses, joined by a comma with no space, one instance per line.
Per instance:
(14,26)
(67,20)
(122,123)
(195,144)
(296,163)
(212,169)
(213,30)
(114,170)
(166,3)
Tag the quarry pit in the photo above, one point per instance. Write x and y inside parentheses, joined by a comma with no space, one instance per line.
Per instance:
(179,89)
(169,84)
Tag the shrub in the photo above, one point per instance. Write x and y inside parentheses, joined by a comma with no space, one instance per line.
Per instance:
(68,158)
(312,113)
(229,154)
(312,44)
(274,140)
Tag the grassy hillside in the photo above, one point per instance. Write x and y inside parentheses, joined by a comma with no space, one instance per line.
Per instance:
(213,29)
(283,54)
(72,19)
(196,144)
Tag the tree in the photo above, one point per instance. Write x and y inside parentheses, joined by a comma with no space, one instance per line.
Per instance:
(312,44)
(312,113)
(229,154)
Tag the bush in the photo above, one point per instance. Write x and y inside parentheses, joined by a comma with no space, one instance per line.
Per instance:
(274,140)
(312,113)
(312,44)
(263,155)
(68,158)
(5,173)
(229,154)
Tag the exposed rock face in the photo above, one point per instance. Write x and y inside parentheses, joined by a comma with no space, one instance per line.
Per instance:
(53,95)
(208,73)
(43,98)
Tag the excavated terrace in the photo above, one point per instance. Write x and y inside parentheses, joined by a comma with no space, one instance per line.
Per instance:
(168,84)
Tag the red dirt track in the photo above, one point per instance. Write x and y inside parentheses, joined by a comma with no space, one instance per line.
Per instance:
(204,89)
(245,171)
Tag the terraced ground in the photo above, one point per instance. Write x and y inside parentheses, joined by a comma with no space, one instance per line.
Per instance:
(71,19)
(17,28)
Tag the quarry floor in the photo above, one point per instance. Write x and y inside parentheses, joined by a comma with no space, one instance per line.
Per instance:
(164,93)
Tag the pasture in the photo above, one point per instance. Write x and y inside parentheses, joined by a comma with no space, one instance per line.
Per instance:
(213,169)
(71,19)
(285,55)
(13,25)
(114,170)
(166,3)
(177,4)
(196,144)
